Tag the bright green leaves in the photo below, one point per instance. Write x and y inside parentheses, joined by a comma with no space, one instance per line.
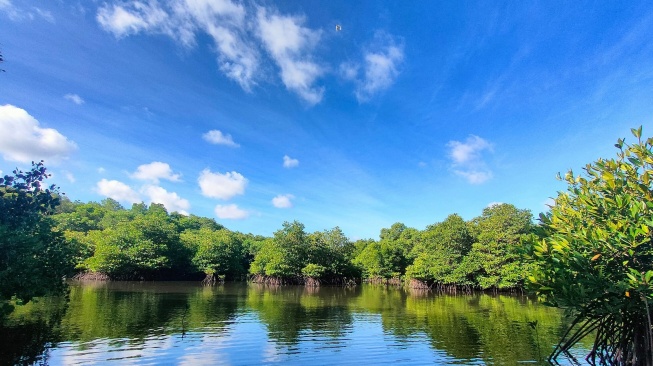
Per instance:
(218,252)
(597,238)
(294,254)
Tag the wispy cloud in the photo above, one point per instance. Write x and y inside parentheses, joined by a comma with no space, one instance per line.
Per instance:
(289,162)
(290,43)
(222,20)
(283,201)
(245,37)
(69,176)
(132,17)
(230,212)
(222,186)
(379,68)
(219,138)
(19,14)
(74,98)
(22,138)
(467,159)
(154,171)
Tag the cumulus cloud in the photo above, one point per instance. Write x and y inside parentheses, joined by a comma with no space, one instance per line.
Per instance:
(283,201)
(289,162)
(219,138)
(222,186)
(231,212)
(289,43)
(22,138)
(154,171)
(117,190)
(74,98)
(467,159)
(171,200)
(379,69)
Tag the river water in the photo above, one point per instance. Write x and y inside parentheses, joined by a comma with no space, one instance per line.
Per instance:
(184,323)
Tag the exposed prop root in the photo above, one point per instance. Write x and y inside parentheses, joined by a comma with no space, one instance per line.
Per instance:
(91,276)
(212,279)
(621,339)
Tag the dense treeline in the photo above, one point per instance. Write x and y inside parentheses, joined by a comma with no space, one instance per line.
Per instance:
(45,237)
(149,243)
(144,242)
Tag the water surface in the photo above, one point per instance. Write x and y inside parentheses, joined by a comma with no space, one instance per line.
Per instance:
(236,324)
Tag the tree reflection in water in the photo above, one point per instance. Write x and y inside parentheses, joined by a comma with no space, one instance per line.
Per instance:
(248,322)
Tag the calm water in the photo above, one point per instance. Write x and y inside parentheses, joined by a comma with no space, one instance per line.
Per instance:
(236,324)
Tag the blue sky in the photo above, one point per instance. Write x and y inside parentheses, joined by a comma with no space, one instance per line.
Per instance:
(255,113)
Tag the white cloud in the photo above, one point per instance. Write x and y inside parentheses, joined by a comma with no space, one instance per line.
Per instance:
(222,186)
(468,151)
(223,20)
(23,140)
(283,201)
(74,98)
(154,171)
(219,138)
(117,190)
(45,14)
(380,67)
(349,70)
(289,162)
(16,14)
(230,212)
(289,44)
(69,176)
(131,18)
(475,176)
(467,159)
(101,170)
(494,204)
(8,8)
(171,200)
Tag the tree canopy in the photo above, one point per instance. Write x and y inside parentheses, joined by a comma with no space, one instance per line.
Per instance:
(34,257)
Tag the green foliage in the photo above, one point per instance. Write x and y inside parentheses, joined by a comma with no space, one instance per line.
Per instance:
(439,251)
(314,270)
(292,254)
(285,255)
(33,257)
(372,262)
(389,257)
(494,260)
(138,248)
(595,255)
(216,251)
(333,251)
